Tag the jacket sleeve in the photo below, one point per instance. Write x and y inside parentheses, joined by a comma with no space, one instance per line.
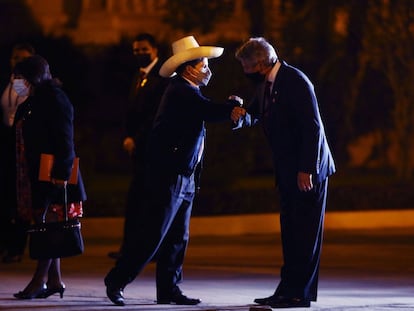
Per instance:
(309,124)
(61,127)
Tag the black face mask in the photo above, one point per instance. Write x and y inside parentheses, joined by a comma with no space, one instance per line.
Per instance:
(256,77)
(143,60)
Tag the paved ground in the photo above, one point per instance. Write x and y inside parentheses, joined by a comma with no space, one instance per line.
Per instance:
(360,270)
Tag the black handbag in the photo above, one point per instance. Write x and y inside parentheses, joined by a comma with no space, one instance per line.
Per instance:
(56,239)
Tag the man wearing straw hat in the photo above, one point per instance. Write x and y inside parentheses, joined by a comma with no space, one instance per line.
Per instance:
(175,153)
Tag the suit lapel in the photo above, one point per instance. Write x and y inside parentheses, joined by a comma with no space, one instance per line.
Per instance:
(260,93)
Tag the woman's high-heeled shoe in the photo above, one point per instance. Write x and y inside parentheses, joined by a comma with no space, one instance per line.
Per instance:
(51,291)
(37,293)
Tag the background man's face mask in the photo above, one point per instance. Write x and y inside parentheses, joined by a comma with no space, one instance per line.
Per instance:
(20,87)
(143,59)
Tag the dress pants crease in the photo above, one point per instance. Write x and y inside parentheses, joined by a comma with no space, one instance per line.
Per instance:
(164,216)
(302,219)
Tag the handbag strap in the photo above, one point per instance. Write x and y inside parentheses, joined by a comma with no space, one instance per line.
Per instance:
(65,201)
(65,206)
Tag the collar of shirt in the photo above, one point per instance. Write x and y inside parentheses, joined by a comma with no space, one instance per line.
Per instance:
(150,66)
(272,74)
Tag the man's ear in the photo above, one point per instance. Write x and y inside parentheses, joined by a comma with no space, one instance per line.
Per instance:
(156,52)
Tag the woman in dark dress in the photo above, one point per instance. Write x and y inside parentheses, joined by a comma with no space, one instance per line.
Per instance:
(44,124)
(13,230)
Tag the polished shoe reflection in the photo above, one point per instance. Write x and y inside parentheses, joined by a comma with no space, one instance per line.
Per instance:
(178,298)
(278,302)
(116,295)
(53,290)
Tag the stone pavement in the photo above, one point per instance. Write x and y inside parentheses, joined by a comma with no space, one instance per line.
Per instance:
(360,270)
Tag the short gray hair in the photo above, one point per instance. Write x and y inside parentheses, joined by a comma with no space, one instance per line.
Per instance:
(256,50)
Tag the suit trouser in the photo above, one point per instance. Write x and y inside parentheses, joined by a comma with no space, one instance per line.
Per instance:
(133,206)
(301,221)
(163,227)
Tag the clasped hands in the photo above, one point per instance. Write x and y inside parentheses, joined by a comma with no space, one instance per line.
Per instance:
(237,111)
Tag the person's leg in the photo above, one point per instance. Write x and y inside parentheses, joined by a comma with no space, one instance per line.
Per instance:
(54,276)
(54,281)
(132,206)
(41,273)
(302,219)
(37,286)
(172,252)
(169,272)
(154,219)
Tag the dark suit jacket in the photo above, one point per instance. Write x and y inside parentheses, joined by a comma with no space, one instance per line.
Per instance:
(142,107)
(295,130)
(48,128)
(179,128)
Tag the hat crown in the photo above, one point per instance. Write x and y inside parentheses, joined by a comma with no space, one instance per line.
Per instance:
(184,44)
(185,50)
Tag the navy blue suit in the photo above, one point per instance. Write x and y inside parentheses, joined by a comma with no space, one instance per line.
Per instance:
(174,151)
(142,107)
(295,132)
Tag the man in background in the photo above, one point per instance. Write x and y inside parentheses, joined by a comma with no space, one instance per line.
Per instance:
(144,98)
(13,235)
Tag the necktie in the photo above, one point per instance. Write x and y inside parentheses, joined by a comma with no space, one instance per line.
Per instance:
(141,80)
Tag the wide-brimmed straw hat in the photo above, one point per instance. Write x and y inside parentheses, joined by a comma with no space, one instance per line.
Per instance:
(187,49)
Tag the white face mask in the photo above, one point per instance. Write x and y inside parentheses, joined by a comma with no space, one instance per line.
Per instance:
(201,76)
(20,87)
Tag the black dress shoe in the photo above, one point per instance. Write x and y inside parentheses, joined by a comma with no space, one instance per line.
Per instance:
(34,293)
(53,290)
(116,295)
(265,301)
(178,298)
(290,303)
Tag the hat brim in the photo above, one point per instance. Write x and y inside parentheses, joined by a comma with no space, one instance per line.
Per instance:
(171,64)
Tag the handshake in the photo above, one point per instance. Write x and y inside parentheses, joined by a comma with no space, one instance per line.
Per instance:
(238,111)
